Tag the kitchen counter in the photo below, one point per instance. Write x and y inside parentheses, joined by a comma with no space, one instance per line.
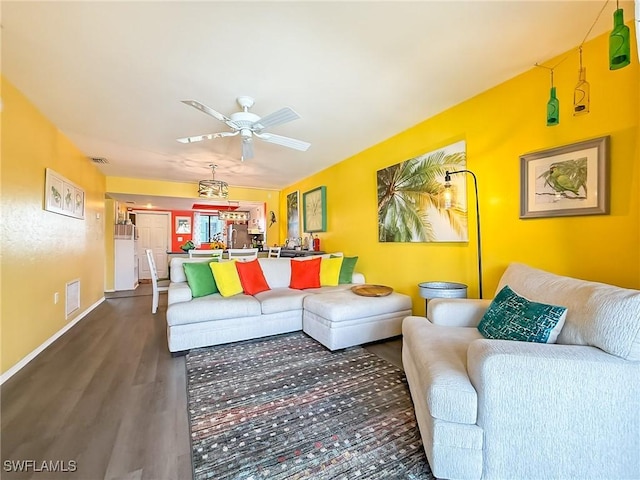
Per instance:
(289,252)
(182,254)
(285,252)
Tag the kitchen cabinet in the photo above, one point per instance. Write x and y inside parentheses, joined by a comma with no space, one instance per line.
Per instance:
(257,220)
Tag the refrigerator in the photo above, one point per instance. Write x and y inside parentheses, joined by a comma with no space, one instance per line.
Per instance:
(126,258)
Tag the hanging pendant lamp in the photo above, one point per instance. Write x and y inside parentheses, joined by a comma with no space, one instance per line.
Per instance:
(581,95)
(619,42)
(213,188)
(553,106)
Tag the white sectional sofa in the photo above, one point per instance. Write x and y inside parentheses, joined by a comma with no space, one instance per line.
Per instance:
(214,319)
(498,409)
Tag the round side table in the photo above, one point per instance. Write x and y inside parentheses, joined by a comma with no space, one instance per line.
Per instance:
(429,290)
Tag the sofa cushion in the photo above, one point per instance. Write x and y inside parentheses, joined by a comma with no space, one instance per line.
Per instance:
(227,278)
(328,289)
(305,273)
(330,271)
(200,278)
(176,271)
(346,269)
(439,353)
(179,292)
(340,305)
(281,300)
(599,315)
(277,271)
(211,308)
(513,317)
(251,277)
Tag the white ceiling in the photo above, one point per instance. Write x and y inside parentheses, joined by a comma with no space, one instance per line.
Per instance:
(111,75)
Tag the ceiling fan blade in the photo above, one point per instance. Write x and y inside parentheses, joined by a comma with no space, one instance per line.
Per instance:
(210,111)
(279,117)
(247,149)
(209,136)
(284,141)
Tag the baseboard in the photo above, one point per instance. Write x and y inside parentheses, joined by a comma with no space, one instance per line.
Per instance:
(21,364)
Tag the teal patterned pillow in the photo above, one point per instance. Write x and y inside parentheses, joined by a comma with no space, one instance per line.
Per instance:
(512,317)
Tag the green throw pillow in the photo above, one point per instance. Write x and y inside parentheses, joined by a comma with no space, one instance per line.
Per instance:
(200,278)
(512,317)
(347,268)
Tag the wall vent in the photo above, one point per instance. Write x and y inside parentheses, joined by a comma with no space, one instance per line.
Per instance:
(100,160)
(72,297)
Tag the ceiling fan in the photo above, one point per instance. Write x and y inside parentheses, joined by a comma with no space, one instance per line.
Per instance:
(249,125)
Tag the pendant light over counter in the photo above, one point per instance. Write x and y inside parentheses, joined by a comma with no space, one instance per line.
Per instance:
(619,41)
(581,93)
(553,106)
(619,57)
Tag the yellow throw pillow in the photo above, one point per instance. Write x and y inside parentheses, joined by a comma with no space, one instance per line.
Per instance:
(330,271)
(227,278)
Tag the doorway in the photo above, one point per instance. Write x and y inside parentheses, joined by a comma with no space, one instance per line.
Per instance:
(153,231)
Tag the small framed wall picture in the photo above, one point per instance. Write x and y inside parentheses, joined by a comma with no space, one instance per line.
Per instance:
(63,196)
(183,225)
(314,208)
(566,181)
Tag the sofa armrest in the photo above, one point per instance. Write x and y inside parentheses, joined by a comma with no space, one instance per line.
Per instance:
(357,278)
(575,404)
(178,292)
(456,312)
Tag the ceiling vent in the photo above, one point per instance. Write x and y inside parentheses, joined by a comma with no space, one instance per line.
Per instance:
(100,160)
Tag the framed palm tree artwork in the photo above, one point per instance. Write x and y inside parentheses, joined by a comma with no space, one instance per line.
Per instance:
(566,181)
(410,198)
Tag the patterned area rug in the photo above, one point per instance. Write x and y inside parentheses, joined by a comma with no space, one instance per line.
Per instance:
(285,407)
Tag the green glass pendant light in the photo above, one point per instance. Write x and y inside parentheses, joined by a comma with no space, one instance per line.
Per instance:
(619,42)
(553,106)
(581,92)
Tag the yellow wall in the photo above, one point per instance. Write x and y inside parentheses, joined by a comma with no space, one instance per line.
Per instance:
(42,251)
(498,126)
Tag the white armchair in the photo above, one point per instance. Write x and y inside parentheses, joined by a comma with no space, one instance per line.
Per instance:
(491,408)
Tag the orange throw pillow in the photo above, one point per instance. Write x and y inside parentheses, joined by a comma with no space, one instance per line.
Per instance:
(251,277)
(305,273)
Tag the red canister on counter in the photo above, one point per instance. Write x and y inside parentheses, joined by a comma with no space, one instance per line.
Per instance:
(316,244)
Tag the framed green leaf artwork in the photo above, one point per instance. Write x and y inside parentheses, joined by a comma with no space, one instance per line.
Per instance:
(566,181)
(314,209)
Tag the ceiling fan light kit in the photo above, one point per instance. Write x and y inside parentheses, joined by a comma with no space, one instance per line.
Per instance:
(249,125)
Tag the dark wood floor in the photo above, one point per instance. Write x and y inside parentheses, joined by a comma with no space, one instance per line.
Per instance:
(109,397)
